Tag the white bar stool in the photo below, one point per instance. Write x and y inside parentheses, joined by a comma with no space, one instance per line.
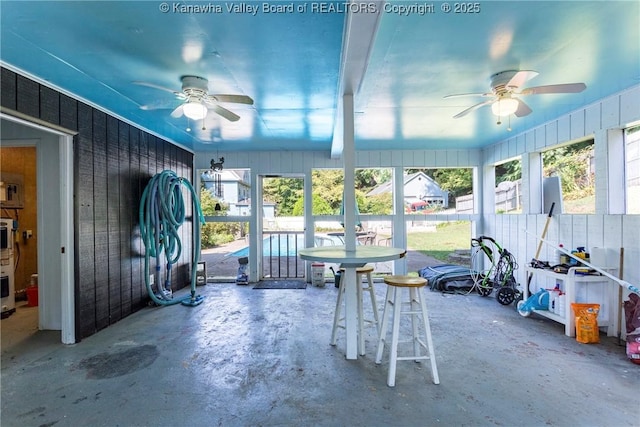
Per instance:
(360,273)
(416,308)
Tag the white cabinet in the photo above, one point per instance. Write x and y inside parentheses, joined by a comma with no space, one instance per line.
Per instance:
(578,288)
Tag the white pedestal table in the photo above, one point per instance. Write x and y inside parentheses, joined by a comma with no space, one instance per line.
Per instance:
(350,260)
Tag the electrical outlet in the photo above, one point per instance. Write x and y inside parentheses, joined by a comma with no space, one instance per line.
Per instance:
(152,279)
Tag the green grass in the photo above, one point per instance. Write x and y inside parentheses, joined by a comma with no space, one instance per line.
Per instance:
(447,238)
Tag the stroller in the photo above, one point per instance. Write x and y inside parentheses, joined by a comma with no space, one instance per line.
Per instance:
(499,275)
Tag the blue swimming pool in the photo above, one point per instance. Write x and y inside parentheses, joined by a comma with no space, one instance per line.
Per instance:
(276,245)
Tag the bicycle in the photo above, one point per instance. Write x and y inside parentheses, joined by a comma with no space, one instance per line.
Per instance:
(499,275)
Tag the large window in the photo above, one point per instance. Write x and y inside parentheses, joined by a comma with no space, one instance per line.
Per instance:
(438,191)
(574,165)
(632,155)
(373,187)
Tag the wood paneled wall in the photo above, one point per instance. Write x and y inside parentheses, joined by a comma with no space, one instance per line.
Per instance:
(519,233)
(113,162)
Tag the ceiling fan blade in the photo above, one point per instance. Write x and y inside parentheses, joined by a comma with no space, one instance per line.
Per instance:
(474,107)
(520,78)
(236,99)
(229,115)
(523,109)
(561,88)
(460,95)
(155,86)
(159,105)
(178,112)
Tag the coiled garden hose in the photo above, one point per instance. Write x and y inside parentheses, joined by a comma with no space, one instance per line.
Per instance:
(161,213)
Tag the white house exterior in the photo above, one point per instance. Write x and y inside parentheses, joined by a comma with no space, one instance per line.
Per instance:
(232,187)
(418,187)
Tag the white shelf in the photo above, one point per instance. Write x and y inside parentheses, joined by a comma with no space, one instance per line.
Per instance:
(579,288)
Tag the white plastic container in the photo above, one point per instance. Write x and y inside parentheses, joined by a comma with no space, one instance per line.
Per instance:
(317,274)
(561,304)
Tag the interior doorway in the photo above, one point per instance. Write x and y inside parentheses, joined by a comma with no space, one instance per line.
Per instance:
(54,210)
(281,225)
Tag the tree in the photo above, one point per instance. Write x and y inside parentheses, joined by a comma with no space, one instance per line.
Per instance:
(215,233)
(285,192)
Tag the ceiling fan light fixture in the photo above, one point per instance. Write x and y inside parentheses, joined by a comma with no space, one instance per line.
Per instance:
(504,107)
(195,110)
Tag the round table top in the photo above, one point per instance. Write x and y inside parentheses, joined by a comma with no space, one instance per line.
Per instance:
(362,254)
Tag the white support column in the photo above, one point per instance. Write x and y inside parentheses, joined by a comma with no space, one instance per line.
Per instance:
(309,224)
(349,174)
(255,227)
(350,287)
(486,203)
(601,170)
(532,183)
(615,157)
(399,226)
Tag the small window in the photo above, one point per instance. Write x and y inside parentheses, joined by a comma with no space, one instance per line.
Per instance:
(509,187)
(574,165)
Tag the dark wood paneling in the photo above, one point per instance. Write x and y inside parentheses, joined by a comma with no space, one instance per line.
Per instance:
(113,162)
(101,217)
(49,105)
(28,96)
(113,218)
(125,217)
(68,112)
(8,89)
(84,225)
(137,254)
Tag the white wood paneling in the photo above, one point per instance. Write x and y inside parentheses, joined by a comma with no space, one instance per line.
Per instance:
(595,232)
(540,138)
(551,133)
(629,105)
(612,231)
(564,128)
(577,125)
(593,118)
(610,112)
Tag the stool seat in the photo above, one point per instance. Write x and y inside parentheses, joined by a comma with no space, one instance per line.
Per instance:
(417,307)
(360,273)
(405,281)
(360,270)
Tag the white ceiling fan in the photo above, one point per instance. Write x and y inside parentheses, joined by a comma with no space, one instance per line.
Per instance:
(196,101)
(506,87)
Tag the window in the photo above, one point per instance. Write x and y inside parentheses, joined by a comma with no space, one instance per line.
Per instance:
(574,165)
(374,191)
(509,187)
(438,191)
(632,156)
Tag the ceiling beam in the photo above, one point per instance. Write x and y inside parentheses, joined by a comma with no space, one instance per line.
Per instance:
(362,20)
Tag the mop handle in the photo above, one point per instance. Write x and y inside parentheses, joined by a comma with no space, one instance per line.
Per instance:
(620,282)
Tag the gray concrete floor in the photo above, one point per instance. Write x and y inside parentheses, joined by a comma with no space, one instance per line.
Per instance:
(250,357)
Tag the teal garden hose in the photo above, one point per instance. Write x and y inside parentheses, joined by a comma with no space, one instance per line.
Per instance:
(162,212)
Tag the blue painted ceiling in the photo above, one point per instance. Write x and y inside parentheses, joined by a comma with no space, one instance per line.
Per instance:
(297,59)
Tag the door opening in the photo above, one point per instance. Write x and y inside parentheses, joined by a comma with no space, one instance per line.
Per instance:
(281,225)
(54,211)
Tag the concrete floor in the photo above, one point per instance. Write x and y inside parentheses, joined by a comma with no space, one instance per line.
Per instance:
(250,357)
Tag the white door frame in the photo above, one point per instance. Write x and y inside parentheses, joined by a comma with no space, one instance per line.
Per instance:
(259,217)
(56,300)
